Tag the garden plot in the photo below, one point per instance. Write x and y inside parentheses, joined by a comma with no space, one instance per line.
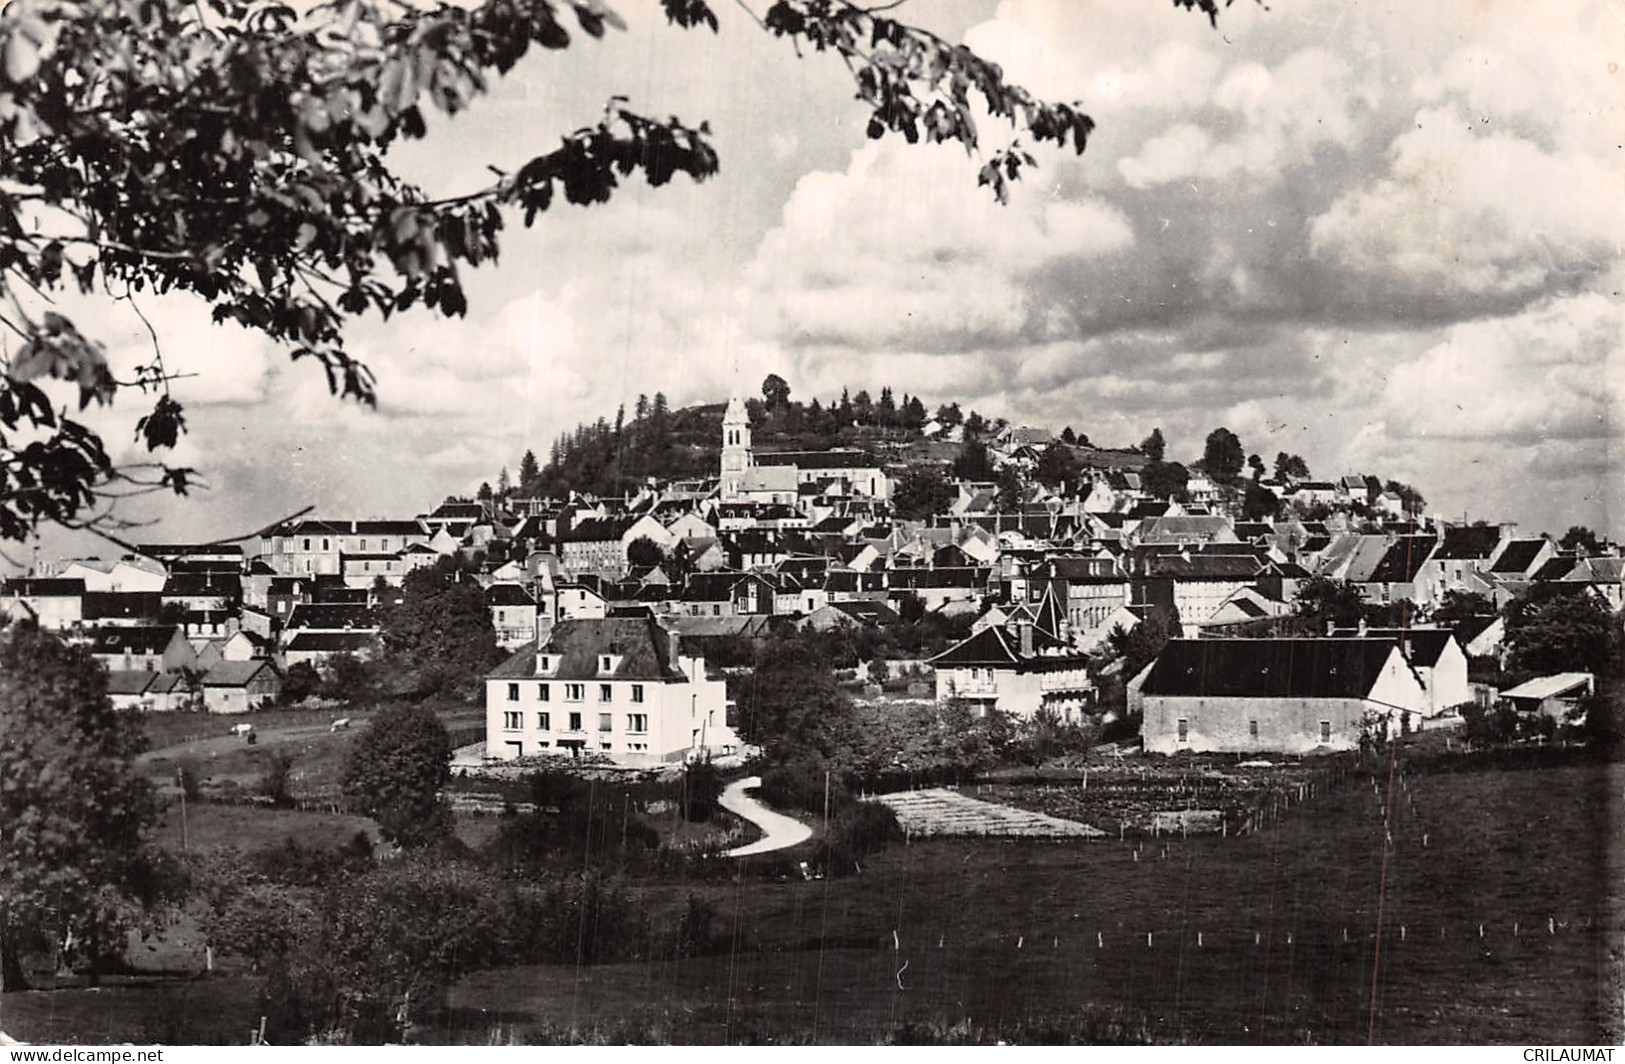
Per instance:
(939,811)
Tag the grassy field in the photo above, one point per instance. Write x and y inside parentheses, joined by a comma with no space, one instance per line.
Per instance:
(1316,930)
(1247,936)
(228,762)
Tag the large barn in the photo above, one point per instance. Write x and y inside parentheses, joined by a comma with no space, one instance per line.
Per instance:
(1274,695)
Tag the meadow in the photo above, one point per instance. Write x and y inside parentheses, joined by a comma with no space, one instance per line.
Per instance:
(1479,906)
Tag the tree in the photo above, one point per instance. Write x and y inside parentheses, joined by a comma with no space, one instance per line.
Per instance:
(949,415)
(301,681)
(863,408)
(644,553)
(912,414)
(1008,495)
(973,462)
(1464,612)
(1223,456)
(1256,464)
(241,152)
(350,679)
(75,865)
(1258,503)
(921,492)
(1153,446)
(1582,540)
(976,426)
(484,494)
(530,475)
(1056,466)
(1164,480)
(1550,628)
(1409,497)
(775,391)
(504,485)
(1068,436)
(1290,467)
(394,773)
(438,639)
(886,409)
(1321,601)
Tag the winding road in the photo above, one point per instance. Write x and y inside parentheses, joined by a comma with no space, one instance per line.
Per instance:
(779,832)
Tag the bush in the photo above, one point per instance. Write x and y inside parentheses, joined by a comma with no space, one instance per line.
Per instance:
(1496,724)
(301,682)
(276,781)
(189,778)
(694,933)
(702,786)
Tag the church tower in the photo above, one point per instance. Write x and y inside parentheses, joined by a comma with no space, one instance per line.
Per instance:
(735,448)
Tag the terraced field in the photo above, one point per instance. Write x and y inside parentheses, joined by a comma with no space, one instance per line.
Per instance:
(939,811)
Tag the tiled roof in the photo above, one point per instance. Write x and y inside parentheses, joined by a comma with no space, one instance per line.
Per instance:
(1518,556)
(992,646)
(1268,668)
(330,642)
(134,639)
(508,595)
(640,643)
(235,673)
(1403,560)
(45,587)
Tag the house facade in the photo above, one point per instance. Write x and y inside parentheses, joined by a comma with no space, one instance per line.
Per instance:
(1295,696)
(620,687)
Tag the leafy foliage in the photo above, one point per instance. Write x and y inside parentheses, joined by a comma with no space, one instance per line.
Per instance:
(74,861)
(438,639)
(1223,456)
(1164,480)
(921,492)
(1554,629)
(395,771)
(1153,446)
(1290,467)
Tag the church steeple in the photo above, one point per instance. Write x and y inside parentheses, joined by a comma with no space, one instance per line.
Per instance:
(735,447)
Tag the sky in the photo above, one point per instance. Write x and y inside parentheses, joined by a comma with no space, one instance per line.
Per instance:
(1386,237)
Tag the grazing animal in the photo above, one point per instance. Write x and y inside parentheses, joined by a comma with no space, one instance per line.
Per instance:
(341,724)
(242,729)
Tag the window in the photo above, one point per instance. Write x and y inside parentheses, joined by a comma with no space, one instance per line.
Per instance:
(544,722)
(513,692)
(604,663)
(575,692)
(363,546)
(637,747)
(605,692)
(513,720)
(544,664)
(606,746)
(1325,731)
(383,545)
(307,544)
(605,723)
(325,544)
(1252,729)
(543,693)
(637,692)
(637,722)
(1184,729)
(575,722)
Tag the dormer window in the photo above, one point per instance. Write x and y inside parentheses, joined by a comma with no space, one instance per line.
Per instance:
(544,664)
(605,663)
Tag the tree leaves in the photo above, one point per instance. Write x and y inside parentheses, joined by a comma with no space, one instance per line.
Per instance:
(162,427)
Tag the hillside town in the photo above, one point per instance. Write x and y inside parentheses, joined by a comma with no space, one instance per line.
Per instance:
(1035,556)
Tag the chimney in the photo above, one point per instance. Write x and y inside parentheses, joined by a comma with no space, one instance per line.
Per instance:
(1331,628)
(1362,628)
(1025,631)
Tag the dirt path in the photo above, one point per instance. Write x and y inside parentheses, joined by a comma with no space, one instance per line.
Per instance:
(779,832)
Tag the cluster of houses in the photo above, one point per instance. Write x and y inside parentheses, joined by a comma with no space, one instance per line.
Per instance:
(608,603)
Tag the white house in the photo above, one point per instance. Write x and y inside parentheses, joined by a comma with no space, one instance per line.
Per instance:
(1273,695)
(1018,668)
(621,687)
